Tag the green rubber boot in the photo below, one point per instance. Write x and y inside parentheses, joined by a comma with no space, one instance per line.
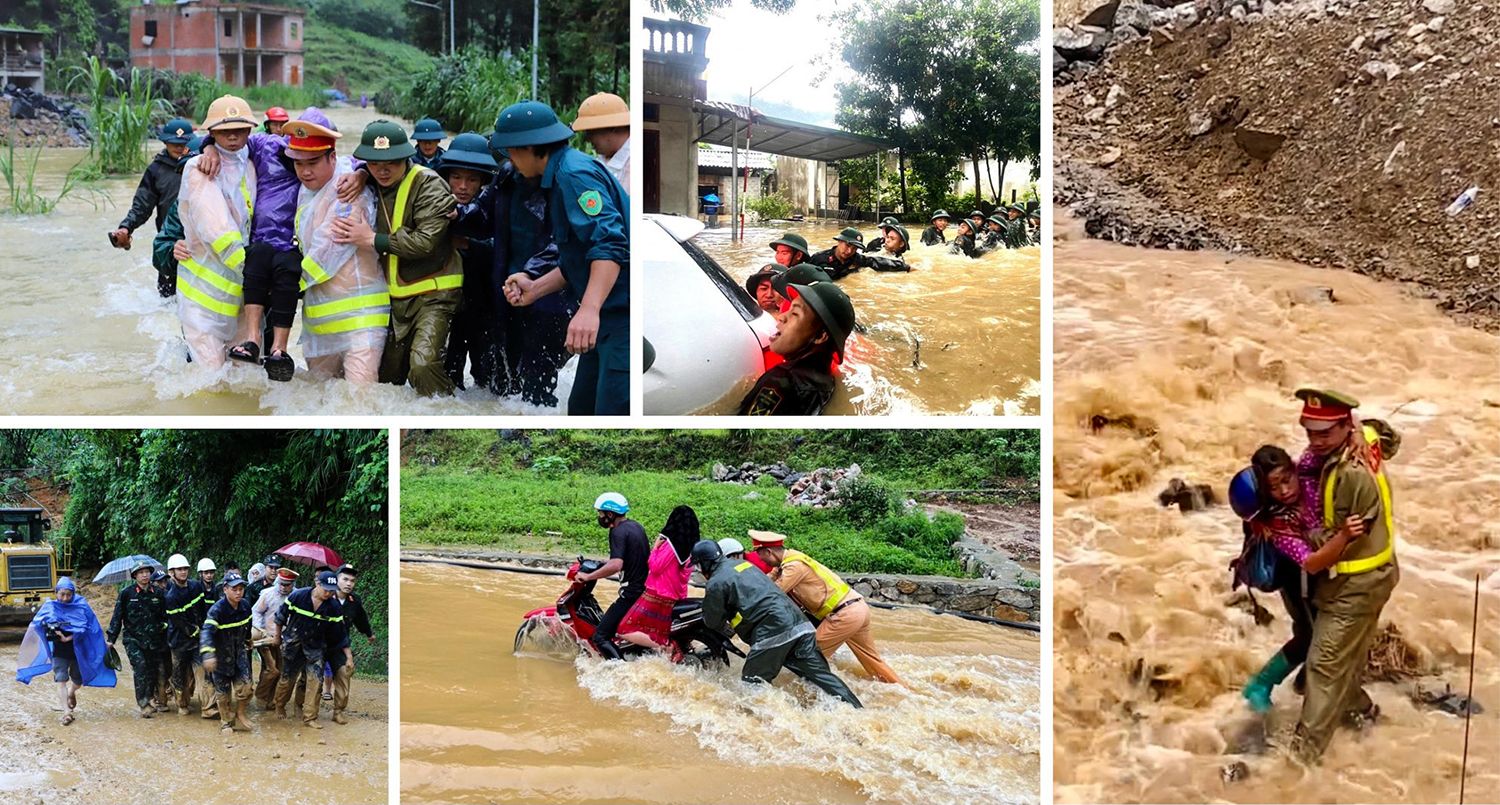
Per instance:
(1258,690)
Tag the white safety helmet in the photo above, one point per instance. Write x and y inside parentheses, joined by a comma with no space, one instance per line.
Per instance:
(206,564)
(730,546)
(177,560)
(612,502)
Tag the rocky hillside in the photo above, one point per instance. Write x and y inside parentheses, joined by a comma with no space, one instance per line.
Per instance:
(1331,132)
(29,119)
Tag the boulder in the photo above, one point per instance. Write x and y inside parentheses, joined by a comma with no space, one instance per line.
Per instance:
(1258,141)
(1133,14)
(1102,16)
(1439,7)
(1082,43)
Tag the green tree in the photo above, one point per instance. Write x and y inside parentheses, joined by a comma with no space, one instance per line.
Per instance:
(700,9)
(943,82)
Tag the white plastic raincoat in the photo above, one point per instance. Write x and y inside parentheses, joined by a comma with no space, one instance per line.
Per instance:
(346,308)
(215,214)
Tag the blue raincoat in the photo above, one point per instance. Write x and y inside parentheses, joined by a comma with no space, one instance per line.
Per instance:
(88,643)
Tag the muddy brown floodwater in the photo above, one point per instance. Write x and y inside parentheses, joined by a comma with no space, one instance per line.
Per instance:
(110,754)
(85,332)
(1195,355)
(480,724)
(954,336)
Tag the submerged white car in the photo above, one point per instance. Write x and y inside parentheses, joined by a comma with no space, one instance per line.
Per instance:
(705,338)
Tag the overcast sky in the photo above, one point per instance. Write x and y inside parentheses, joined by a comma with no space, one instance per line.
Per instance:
(748,47)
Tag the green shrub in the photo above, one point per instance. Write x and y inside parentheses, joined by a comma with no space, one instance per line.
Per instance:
(550,467)
(770,207)
(864,500)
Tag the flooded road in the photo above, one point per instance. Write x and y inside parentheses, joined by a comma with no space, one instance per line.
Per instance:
(953,336)
(1194,356)
(86,333)
(109,754)
(480,724)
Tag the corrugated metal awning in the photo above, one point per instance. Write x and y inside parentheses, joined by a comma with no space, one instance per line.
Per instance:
(777,136)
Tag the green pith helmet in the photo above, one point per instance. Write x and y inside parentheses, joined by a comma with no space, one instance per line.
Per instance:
(975,214)
(889,220)
(1017,208)
(995,219)
(767,271)
(791,240)
(528,123)
(470,151)
(851,236)
(800,274)
(939,214)
(177,131)
(901,230)
(832,307)
(428,129)
(969,222)
(384,141)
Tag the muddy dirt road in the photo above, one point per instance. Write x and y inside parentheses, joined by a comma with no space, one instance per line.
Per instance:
(111,755)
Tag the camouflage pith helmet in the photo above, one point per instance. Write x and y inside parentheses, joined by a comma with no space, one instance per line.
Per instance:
(384,141)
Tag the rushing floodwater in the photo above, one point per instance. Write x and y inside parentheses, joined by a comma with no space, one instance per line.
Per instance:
(84,331)
(953,336)
(480,724)
(1203,351)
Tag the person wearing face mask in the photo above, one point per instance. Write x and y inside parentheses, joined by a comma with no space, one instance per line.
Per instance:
(215,213)
(346,308)
(628,555)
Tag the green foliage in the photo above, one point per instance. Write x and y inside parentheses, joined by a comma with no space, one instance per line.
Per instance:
(865,500)
(355,62)
(770,206)
(904,459)
(700,9)
(516,510)
(22,196)
(193,93)
(378,19)
(466,92)
(550,467)
(943,82)
(122,113)
(226,494)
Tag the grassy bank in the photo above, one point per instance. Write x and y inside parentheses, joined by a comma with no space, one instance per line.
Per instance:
(339,57)
(516,510)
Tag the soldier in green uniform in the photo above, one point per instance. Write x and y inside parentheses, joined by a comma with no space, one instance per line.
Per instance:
(934,234)
(1015,227)
(142,615)
(885,225)
(1346,459)
(225,646)
(590,224)
(847,256)
(811,338)
(965,244)
(790,249)
(411,236)
(742,598)
(427,134)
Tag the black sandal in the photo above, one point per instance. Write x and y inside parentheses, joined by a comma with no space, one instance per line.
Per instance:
(280,366)
(248,352)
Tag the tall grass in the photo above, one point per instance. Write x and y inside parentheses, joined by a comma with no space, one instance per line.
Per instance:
(21,194)
(466,92)
(122,113)
(195,92)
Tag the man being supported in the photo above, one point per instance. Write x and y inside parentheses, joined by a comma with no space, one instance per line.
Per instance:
(744,599)
(1345,464)
(215,213)
(841,614)
(347,307)
(225,646)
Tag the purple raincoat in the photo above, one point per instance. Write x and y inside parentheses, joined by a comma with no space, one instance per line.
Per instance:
(276,185)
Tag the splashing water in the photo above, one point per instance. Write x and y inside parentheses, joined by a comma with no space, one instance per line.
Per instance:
(550,725)
(1180,364)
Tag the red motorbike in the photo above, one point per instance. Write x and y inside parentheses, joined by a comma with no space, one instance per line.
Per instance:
(577,614)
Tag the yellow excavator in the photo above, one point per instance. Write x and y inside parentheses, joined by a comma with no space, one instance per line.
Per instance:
(30,563)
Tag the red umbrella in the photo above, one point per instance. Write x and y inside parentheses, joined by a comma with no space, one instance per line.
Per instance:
(311,554)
